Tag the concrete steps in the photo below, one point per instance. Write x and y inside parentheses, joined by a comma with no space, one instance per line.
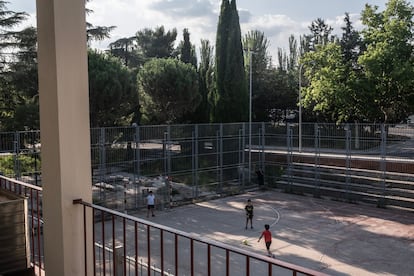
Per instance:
(391,189)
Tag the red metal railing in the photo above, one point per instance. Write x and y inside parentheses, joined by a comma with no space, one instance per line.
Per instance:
(128,245)
(35,221)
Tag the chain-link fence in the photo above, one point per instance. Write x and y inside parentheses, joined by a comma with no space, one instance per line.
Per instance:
(182,163)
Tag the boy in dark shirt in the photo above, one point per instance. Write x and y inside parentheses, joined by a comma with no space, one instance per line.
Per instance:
(249,213)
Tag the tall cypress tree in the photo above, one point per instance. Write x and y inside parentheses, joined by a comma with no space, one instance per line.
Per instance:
(187,50)
(231,101)
(221,49)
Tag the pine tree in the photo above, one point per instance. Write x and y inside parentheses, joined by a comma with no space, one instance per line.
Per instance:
(8,20)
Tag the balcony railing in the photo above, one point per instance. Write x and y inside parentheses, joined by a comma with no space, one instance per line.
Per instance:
(35,221)
(127,245)
(132,246)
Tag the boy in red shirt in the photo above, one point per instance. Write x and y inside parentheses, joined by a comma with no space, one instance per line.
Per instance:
(267,238)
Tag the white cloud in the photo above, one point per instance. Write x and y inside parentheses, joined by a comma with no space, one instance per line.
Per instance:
(277,21)
(131,16)
(277,28)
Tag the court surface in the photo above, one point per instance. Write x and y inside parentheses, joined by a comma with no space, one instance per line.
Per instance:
(333,237)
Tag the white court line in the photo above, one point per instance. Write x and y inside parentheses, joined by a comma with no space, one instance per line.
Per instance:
(277,215)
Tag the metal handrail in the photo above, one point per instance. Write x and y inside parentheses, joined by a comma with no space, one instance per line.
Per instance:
(210,243)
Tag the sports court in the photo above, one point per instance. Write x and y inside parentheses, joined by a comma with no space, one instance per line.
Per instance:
(333,237)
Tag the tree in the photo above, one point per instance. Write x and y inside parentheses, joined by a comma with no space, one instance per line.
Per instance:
(23,78)
(112,92)
(320,34)
(387,63)
(231,99)
(257,42)
(127,50)
(329,93)
(351,44)
(262,74)
(18,73)
(8,20)
(221,52)
(205,83)
(352,47)
(97,32)
(156,43)
(168,90)
(289,61)
(332,70)
(187,50)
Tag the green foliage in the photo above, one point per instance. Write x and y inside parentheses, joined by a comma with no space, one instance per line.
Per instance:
(328,91)
(168,90)
(231,99)
(18,72)
(320,34)
(97,32)
(388,60)
(126,50)
(19,93)
(156,43)
(272,89)
(26,164)
(205,83)
(368,78)
(187,50)
(257,43)
(9,20)
(112,92)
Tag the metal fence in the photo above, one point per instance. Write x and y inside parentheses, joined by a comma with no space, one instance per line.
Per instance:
(186,162)
(126,245)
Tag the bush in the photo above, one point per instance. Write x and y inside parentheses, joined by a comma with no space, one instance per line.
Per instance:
(26,165)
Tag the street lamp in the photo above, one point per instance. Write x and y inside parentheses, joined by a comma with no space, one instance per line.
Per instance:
(250,52)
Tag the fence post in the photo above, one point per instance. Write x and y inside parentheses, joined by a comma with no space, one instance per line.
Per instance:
(119,260)
(348,160)
(102,162)
(244,153)
(221,157)
(289,156)
(16,149)
(164,151)
(137,161)
(240,167)
(168,150)
(195,159)
(263,141)
(356,135)
(317,160)
(382,202)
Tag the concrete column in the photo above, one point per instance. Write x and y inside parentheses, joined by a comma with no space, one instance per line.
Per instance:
(65,134)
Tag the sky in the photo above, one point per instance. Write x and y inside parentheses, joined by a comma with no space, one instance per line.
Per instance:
(277,19)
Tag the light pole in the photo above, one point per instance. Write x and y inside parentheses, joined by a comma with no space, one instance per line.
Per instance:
(250,52)
(250,116)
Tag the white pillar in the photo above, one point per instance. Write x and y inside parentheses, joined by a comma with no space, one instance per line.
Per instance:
(65,133)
